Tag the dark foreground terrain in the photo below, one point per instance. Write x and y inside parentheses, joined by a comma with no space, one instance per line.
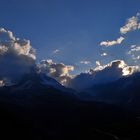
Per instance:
(41,112)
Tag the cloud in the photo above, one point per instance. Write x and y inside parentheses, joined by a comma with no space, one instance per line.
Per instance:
(134,49)
(56,51)
(17,57)
(102,74)
(104,54)
(85,62)
(1,83)
(59,72)
(98,63)
(136,58)
(134,52)
(111,43)
(98,66)
(131,24)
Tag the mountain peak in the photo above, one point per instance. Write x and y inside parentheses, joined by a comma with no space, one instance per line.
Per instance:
(38,80)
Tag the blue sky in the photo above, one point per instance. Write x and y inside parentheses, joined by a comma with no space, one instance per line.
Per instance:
(74,27)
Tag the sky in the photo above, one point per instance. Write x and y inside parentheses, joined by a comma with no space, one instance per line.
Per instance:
(71,31)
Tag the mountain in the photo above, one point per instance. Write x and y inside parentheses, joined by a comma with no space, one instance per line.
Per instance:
(35,80)
(124,92)
(38,107)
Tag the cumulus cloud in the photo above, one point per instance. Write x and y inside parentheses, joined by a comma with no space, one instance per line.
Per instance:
(58,71)
(102,74)
(111,43)
(131,24)
(85,62)
(17,57)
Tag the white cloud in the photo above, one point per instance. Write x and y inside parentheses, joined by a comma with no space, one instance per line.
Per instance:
(3,50)
(104,54)
(85,62)
(98,66)
(134,52)
(133,46)
(134,49)
(58,71)
(131,24)
(6,36)
(98,63)
(102,74)
(111,43)
(10,44)
(17,57)
(136,58)
(56,51)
